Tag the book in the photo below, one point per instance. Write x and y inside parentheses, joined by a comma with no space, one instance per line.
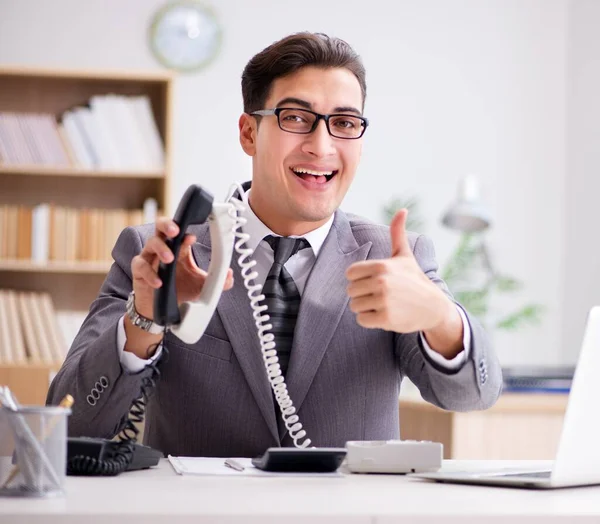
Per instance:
(78,140)
(15,330)
(6,343)
(142,109)
(42,337)
(40,233)
(57,343)
(28,329)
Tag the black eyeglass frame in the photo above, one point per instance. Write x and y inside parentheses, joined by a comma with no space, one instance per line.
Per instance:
(277,111)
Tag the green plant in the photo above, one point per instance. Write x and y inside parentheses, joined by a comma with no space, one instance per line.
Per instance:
(413,220)
(470,277)
(464,263)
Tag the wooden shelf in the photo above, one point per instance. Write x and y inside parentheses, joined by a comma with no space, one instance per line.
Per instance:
(27,266)
(74,285)
(41,170)
(85,74)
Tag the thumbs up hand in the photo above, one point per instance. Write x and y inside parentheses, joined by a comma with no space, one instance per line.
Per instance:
(394,294)
(400,245)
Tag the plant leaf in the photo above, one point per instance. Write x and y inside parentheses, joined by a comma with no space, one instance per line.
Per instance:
(505,284)
(530,314)
(414,222)
(474,301)
(461,260)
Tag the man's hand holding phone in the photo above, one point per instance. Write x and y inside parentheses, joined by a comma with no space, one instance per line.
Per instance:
(144,270)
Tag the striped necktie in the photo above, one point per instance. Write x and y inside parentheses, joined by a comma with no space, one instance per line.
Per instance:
(281,295)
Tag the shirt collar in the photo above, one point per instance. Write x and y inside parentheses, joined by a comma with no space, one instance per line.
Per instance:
(257,231)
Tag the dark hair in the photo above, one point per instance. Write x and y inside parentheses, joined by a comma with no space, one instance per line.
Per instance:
(288,55)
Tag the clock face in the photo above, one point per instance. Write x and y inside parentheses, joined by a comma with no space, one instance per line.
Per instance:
(185,35)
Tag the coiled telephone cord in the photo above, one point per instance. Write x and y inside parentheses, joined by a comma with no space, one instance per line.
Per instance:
(266,338)
(123,448)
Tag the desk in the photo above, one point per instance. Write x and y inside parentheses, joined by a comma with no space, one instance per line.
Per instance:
(519,426)
(160,496)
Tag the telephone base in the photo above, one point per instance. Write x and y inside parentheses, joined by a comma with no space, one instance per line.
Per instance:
(102,449)
(393,456)
(301,460)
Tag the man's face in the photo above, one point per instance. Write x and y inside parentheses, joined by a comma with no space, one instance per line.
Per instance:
(299,180)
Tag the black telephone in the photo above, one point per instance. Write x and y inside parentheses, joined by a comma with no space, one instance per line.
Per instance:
(188,322)
(97,456)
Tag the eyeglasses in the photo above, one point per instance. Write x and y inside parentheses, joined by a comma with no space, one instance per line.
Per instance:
(303,122)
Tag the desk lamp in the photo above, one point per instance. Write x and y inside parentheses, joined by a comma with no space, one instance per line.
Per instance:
(468,215)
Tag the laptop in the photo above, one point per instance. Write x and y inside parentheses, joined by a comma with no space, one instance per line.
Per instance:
(577,460)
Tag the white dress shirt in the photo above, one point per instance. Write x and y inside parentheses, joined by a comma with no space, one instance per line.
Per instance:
(299,267)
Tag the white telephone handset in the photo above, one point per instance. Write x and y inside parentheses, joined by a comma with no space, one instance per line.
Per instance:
(195,207)
(222,225)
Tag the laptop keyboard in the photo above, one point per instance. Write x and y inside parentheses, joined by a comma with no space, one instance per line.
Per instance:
(535,474)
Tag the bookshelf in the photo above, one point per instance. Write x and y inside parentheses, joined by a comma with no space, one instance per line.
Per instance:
(37,170)
(99,192)
(52,266)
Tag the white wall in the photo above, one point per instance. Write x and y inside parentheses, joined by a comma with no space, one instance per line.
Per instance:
(582,255)
(454,87)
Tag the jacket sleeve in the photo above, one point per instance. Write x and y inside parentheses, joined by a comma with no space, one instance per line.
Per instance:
(475,385)
(92,373)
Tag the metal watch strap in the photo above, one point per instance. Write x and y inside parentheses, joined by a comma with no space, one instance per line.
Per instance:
(140,321)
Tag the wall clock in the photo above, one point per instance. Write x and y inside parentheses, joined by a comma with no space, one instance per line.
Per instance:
(185,35)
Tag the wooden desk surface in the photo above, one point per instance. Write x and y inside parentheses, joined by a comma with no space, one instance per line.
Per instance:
(160,496)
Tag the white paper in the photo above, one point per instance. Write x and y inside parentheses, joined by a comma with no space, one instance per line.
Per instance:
(216,466)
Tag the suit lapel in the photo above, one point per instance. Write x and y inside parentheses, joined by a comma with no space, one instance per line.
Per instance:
(324,299)
(236,315)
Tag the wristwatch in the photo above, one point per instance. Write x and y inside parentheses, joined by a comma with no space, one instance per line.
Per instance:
(138,320)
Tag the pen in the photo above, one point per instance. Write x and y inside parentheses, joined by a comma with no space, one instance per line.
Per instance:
(66,402)
(234,464)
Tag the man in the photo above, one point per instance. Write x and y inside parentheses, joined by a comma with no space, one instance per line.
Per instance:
(371,306)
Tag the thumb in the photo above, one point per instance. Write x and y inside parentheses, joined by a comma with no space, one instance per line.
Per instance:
(400,245)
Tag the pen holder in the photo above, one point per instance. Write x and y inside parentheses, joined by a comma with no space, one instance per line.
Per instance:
(33,451)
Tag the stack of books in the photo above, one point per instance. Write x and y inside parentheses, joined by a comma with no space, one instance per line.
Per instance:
(51,232)
(112,132)
(29,331)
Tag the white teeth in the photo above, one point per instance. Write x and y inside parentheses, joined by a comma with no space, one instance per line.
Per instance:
(311,172)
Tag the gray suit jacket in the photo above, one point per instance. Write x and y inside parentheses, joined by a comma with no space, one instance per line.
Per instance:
(213,397)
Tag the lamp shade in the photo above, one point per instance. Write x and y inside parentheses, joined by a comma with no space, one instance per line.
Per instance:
(467,214)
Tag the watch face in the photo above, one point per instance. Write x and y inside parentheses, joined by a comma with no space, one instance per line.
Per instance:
(185,35)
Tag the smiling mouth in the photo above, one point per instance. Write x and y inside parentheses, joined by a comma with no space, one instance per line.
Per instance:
(318,176)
